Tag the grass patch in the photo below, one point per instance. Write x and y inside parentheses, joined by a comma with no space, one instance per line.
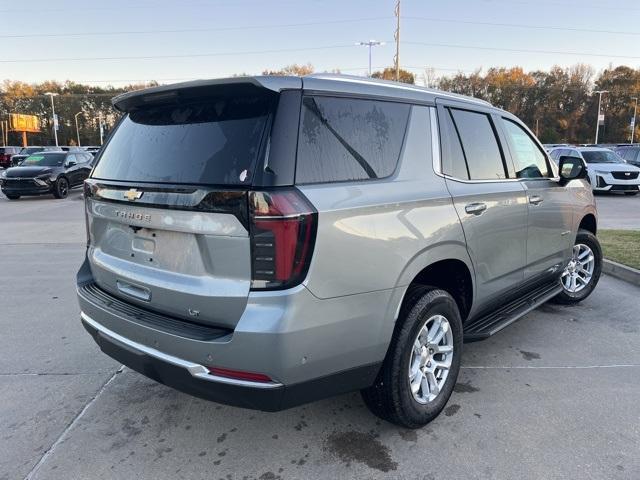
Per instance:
(622,246)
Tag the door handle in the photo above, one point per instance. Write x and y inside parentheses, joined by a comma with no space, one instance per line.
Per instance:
(475,208)
(535,199)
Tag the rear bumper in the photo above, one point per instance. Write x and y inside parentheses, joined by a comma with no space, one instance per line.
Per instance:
(310,348)
(195,379)
(188,377)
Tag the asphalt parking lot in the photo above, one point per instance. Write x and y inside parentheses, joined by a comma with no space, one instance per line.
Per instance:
(618,211)
(553,396)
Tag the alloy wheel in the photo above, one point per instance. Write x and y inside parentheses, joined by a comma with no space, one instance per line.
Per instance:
(431,356)
(579,271)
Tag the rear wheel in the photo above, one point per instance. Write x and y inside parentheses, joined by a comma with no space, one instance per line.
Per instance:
(583,271)
(423,361)
(61,188)
(11,196)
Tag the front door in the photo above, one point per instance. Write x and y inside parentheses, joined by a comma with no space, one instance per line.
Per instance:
(549,237)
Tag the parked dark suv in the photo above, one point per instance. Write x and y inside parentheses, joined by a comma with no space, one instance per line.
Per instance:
(268,241)
(46,172)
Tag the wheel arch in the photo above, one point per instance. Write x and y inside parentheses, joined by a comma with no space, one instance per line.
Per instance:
(589,223)
(446,266)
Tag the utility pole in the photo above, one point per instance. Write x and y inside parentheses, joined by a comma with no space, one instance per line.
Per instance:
(55,120)
(396,36)
(75,117)
(370,43)
(101,128)
(599,92)
(633,124)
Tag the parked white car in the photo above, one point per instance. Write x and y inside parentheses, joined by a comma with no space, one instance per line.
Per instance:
(608,171)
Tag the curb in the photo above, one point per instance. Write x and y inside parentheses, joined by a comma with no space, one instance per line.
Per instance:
(622,272)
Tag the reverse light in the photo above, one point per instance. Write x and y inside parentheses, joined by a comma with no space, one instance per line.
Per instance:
(283,229)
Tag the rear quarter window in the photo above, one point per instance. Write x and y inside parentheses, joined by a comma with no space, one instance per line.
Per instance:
(346,139)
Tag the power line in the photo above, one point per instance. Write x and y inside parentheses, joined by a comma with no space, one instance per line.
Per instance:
(521,50)
(303,49)
(580,5)
(192,55)
(190,30)
(520,25)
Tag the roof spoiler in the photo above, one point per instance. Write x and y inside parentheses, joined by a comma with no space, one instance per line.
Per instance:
(179,92)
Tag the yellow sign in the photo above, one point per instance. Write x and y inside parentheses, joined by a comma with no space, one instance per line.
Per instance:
(24,123)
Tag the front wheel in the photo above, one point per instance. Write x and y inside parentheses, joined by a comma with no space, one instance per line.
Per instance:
(423,361)
(61,188)
(630,193)
(12,196)
(583,271)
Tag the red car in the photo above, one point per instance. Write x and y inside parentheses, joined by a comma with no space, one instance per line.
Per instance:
(5,155)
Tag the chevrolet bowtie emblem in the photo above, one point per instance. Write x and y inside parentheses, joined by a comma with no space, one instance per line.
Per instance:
(132,194)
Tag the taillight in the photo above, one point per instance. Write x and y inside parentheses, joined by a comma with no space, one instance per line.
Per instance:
(283,230)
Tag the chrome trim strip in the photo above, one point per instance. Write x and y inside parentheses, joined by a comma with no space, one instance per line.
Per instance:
(195,369)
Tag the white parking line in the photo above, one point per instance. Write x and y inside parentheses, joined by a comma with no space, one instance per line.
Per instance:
(46,455)
(556,367)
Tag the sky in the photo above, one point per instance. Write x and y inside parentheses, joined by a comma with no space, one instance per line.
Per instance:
(119,41)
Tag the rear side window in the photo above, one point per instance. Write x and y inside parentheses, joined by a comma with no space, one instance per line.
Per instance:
(345,139)
(528,159)
(214,142)
(480,146)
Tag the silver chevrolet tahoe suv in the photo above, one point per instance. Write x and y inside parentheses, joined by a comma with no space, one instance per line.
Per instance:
(269,241)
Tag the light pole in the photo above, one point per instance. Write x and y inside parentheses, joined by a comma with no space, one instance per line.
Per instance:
(633,125)
(77,129)
(370,43)
(599,92)
(53,111)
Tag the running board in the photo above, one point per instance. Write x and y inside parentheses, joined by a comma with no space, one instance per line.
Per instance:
(485,326)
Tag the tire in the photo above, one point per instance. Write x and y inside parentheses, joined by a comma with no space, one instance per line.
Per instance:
(61,188)
(391,397)
(11,196)
(630,193)
(568,297)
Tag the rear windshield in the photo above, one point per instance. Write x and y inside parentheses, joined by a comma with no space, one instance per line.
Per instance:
(601,156)
(216,142)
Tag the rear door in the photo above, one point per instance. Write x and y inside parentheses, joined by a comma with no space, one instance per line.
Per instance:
(490,204)
(167,206)
(549,238)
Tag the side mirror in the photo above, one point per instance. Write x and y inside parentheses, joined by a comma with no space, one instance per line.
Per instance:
(571,168)
(71,163)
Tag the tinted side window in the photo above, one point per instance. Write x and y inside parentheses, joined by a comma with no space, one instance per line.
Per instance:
(349,139)
(480,145)
(529,160)
(453,161)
